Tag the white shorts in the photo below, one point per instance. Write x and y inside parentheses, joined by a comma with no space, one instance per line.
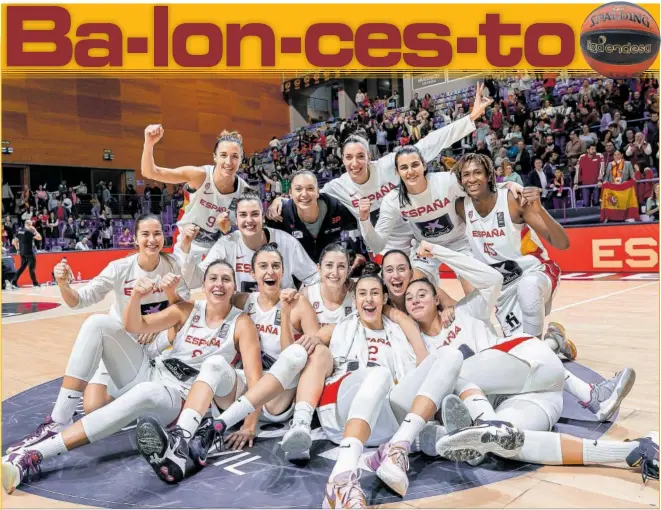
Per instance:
(334,404)
(508,310)
(516,409)
(431,266)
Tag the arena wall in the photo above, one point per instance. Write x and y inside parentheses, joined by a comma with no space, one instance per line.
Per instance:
(70,121)
(600,249)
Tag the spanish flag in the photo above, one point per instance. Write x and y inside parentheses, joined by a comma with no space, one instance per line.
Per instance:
(619,202)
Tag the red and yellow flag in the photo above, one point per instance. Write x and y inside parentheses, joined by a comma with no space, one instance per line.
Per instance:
(619,202)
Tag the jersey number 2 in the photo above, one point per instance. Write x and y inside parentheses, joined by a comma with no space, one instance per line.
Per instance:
(488,249)
(373,351)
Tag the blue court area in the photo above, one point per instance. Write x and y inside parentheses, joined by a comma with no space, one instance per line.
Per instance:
(111,474)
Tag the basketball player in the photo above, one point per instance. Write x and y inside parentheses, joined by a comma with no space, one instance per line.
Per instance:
(377,391)
(118,277)
(496,366)
(397,274)
(332,300)
(239,247)
(426,203)
(279,316)
(505,236)
(553,448)
(189,377)
(315,219)
(373,180)
(217,187)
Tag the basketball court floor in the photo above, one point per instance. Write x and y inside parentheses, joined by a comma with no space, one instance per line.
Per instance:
(614,321)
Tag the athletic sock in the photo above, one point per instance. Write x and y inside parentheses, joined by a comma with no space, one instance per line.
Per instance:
(541,448)
(606,452)
(303,413)
(65,406)
(50,447)
(577,387)
(409,429)
(189,420)
(237,412)
(347,460)
(479,407)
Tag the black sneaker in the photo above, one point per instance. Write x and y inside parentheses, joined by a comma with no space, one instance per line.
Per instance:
(166,452)
(205,437)
(646,455)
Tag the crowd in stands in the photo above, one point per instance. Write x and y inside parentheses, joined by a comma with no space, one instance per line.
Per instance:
(564,135)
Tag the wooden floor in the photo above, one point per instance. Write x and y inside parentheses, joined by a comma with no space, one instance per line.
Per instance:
(614,323)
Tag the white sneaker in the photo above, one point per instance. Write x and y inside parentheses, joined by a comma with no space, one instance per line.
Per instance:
(606,397)
(297,441)
(497,437)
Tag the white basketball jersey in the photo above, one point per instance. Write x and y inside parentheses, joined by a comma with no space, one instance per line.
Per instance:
(380,351)
(120,276)
(196,342)
(465,330)
(268,324)
(324,315)
(431,214)
(496,240)
(381,181)
(204,206)
(233,250)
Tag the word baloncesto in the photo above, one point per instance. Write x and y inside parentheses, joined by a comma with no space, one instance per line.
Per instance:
(420,45)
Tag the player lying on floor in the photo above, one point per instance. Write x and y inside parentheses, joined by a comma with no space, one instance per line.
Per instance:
(534,413)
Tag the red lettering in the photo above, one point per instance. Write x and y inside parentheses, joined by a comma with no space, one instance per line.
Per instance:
(567,45)
(363,44)
(214,53)
(314,34)
(16,36)
(413,41)
(268,329)
(243,268)
(492,29)
(161,42)
(236,33)
(113,45)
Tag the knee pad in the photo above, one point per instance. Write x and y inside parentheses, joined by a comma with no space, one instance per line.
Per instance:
(371,395)
(289,365)
(218,374)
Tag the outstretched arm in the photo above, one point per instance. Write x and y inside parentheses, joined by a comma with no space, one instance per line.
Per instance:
(484,279)
(193,175)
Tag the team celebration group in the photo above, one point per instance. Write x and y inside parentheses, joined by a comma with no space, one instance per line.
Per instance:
(293,321)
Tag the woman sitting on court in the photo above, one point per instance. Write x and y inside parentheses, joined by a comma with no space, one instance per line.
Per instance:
(189,377)
(118,277)
(377,396)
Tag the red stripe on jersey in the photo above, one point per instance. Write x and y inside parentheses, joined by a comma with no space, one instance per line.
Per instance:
(511,344)
(329,395)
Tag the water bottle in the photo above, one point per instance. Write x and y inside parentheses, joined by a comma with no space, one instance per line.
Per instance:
(78,276)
